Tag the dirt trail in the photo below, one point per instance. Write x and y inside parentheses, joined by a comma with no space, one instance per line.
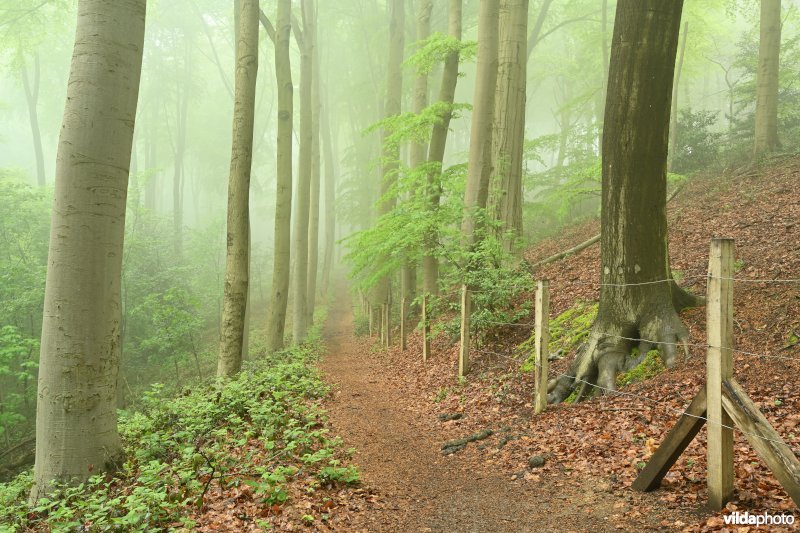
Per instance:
(415,486)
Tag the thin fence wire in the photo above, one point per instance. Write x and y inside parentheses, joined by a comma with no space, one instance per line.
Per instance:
(648,399)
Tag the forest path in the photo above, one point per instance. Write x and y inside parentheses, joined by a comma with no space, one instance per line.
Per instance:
(415,487)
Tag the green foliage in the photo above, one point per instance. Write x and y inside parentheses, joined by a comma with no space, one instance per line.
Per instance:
(24,230)
(651,366)
(698,142)
(435,50)
(176,446)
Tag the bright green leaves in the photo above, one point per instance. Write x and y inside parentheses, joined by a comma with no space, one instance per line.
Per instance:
(435,50)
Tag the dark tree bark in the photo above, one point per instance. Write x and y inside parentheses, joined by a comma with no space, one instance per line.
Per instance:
(634,302)
(769,51)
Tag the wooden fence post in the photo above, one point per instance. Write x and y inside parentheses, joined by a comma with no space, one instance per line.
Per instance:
(387,324)
(426,329)
(719,368)
(371,316)
(542,325)
(463,351)
(403,332)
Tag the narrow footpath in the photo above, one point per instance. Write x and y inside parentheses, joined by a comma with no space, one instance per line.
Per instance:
(414,486)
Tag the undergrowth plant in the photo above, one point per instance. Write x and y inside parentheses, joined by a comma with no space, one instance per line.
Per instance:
(263,428)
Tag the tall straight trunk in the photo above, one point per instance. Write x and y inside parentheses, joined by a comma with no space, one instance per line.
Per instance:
(281,264)
(181,113)
(313,219)
(303,197)
(447,91)
(769,51)
(533,39)
(151,160)
(32,99)
(330,198)
(479,166)
(635,301)
(390,156)
(673,121)
(509,122)
(76,418)
(238,238)
(417,151)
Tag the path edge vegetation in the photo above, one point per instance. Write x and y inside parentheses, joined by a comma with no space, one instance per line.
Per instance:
(178,446)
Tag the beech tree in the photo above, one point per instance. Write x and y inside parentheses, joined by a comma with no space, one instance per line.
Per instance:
(300,298)
(769,51)
(479,167)
(635,301)
(276,316)
(509,122)
(237,260)
(438,143)
(76,420)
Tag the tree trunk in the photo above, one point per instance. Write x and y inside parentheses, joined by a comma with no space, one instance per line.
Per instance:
(447,91)
(479,166)
(276,317)
(313,220)
(509,123)
(32,99)
(330,197)
(238,239)
(391,155)
(635,301)
(769,50)
(417,151)
(536,32)
(673,121)
(303,198)
(150,160)
(181,112)
(76,421)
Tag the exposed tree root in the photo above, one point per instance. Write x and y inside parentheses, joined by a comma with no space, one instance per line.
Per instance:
(609,350)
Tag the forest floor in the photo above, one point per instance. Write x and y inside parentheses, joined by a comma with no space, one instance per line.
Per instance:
(571,468)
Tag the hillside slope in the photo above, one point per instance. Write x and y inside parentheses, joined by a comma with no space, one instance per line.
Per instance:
(605,441)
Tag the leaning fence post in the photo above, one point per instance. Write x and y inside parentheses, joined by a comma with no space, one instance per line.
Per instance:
(426,329)
(542,332)
(719,368)
(463,351)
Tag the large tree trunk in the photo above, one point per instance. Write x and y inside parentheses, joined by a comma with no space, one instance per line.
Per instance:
(276,317)
(769,50)
(509,122)
(76,420)
(391,154)
(447,91)
(303,197)
(479,166)
(32,99)
(238,238)
(313,220)
(635,302)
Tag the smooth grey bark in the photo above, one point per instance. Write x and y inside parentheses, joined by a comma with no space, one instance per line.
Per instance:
(300,298)
(76,420)
(390,156)
(32,99)
(769,50)
(238,236)
(635,300)
(178,174)
(479,166)
(509,123)
(276,316)
(313,218)
(330,198)
(447,91)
